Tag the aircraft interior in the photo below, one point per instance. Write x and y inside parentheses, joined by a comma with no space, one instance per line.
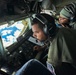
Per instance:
(15,55)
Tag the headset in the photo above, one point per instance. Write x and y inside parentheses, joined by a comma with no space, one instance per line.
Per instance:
(49,25)
(42,20)
(71,8)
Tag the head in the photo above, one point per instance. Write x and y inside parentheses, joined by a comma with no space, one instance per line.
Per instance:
(43,25)
(63,21)
(67,14)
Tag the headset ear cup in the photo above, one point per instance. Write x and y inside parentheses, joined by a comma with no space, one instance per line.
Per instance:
(45,29)
(48,28)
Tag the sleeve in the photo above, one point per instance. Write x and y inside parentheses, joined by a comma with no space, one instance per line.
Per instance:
(55,52)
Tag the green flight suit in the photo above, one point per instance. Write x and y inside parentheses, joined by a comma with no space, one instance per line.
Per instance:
(63,47)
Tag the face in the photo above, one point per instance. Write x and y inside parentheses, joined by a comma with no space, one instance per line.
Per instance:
(38,33)
(63,20)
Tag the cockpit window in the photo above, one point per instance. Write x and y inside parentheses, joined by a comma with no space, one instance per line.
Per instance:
(10,33)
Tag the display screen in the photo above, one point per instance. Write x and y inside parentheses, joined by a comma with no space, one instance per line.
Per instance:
(10,32)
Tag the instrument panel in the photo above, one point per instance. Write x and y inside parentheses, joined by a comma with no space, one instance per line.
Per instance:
(19,53)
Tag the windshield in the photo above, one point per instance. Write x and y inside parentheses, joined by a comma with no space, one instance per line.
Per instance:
(10,33)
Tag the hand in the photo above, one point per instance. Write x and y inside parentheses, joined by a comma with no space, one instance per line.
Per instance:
(37,48)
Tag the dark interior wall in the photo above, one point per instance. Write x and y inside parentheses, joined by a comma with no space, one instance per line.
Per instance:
(4,10)
(60,3)
(2,6)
